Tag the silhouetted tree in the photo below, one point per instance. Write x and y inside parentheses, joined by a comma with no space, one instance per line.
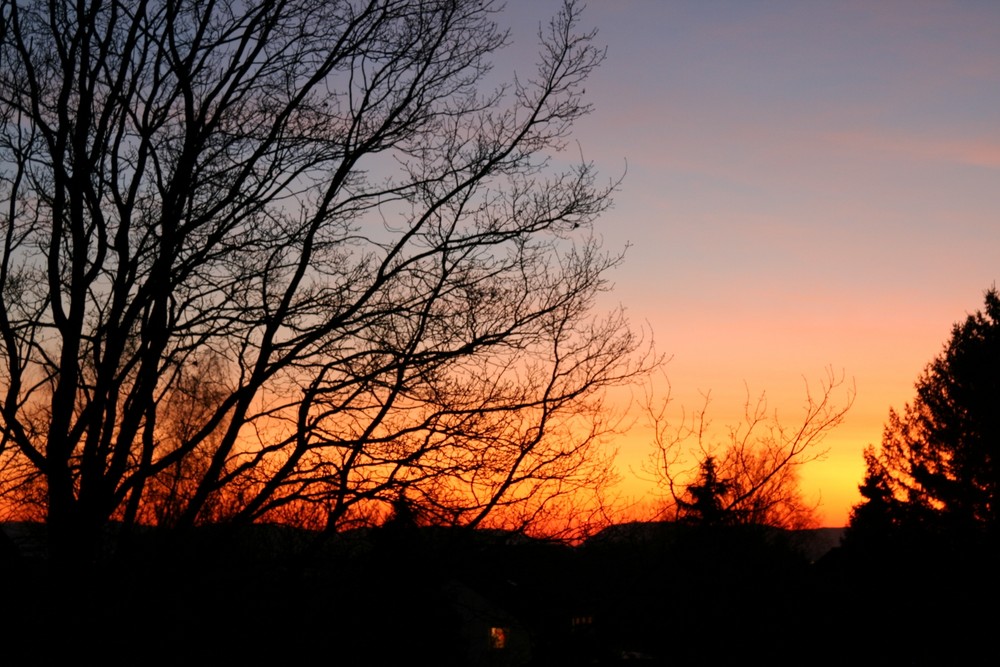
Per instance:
(327,200)
(937,471)
(750,477)
(707,504)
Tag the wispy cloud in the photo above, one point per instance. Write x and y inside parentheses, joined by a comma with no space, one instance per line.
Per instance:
(984,152)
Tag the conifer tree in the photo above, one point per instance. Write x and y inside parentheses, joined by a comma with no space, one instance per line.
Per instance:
(936,471)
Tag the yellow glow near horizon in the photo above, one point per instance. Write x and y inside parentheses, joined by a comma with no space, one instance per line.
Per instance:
(831,481)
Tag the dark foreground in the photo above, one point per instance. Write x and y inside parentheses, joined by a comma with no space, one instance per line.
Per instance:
(652,594)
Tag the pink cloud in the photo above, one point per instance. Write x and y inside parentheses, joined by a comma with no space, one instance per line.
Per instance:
(978,153)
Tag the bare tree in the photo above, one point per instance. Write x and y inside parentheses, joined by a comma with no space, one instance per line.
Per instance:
(390,283)
(750,474)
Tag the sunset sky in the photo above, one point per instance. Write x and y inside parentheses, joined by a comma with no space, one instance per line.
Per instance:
(809,185)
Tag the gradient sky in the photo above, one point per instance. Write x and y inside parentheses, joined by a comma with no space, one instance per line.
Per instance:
(809,185)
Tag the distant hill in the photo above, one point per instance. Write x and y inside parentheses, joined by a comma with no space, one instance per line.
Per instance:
(813,543)
(817,542)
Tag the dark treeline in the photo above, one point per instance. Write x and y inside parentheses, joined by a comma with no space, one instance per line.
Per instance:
(658,593)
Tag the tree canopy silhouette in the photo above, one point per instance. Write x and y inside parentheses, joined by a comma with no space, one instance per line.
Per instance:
(707,504)
(937,471)
(288,259)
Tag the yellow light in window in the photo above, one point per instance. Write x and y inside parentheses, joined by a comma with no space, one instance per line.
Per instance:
(498,638)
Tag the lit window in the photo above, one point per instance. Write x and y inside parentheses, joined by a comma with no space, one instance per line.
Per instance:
(498,638)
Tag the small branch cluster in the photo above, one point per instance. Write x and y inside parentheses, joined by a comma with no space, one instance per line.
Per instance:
(750,475)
